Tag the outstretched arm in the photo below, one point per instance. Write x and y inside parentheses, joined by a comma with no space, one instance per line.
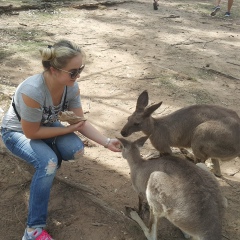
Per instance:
(89,131)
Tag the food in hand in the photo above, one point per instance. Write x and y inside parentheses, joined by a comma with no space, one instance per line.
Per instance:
(70,117)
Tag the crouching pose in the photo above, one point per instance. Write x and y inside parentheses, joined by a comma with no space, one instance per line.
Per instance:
(31,130)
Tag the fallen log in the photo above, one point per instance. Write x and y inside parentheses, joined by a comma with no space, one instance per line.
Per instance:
(93,6)
(10,9)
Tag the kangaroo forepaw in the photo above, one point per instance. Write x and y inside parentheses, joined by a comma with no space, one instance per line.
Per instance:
(152,155)
(188,155)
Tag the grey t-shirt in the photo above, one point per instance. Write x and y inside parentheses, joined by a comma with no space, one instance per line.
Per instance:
(36,88)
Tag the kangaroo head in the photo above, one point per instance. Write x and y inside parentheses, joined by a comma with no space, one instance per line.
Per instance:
(137,120)
(131,146)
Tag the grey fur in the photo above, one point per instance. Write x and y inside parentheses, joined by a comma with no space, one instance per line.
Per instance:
(177,189)
(211,131)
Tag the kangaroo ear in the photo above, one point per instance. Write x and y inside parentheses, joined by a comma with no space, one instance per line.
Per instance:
(149,110)
(142,101)
(140,142)
(123,142)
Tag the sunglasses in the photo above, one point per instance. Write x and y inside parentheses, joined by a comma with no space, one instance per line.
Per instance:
(73,73)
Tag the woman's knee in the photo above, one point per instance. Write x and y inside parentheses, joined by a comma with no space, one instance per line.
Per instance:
(47,164)
(51,166)
(78,154)
(70,146)
(73,154)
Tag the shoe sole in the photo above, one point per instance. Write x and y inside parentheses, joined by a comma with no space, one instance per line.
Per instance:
(213,13)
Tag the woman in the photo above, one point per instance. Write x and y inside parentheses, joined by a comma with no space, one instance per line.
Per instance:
(31,130)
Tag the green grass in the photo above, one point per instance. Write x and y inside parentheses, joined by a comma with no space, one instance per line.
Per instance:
(21,40)
(202,97)
(3,54)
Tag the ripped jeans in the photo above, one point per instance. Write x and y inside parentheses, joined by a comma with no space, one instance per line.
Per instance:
(40,154)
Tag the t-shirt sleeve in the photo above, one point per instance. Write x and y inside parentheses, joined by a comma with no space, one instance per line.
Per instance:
(28,113)
(31,114)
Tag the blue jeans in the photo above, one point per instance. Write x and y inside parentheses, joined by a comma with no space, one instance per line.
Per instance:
(40,154)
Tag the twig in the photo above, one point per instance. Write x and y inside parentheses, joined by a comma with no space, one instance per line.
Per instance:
(145,78)
(233,174)
(15,211)
(193,42)
(172,16)
(79,186)
(98,224)
(208,42)
(233,63)
(225,237)
(22,24)
(220,73)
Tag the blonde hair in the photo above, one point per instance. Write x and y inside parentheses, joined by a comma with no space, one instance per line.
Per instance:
(59,54)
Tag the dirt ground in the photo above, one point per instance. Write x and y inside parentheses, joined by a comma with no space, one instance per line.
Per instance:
(180,54)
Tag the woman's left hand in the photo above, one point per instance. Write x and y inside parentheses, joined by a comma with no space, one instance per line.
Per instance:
(114,145)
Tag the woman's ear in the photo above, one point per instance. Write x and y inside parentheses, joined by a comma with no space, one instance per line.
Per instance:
(52,70)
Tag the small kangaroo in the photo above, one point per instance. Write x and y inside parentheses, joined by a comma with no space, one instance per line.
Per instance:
(211,131)
(177,189)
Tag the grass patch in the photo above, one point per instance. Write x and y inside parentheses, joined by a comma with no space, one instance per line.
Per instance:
(167,83)
(3,54)
(205,74)
(21,40)
(202,97)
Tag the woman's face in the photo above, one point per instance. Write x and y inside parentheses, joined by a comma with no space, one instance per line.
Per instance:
(71,72)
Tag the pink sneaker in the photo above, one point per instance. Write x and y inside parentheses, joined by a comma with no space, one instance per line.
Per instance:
(37,234)
(44,236)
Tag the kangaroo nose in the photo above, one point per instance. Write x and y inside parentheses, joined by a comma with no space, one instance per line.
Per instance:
(123,133)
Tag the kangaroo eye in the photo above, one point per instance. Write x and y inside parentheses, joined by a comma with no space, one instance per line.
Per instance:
(136,124)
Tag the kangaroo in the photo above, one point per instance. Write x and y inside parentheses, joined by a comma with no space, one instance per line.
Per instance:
(177,189)
(211,131)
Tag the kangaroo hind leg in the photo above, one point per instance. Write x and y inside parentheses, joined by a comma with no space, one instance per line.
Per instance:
(151,232)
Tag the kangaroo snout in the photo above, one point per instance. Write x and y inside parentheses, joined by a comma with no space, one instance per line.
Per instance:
(124,134)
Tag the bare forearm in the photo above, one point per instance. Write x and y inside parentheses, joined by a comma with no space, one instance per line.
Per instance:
(92,133)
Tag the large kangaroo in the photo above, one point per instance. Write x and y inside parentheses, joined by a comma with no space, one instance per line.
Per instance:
(211,131)
(177,189)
